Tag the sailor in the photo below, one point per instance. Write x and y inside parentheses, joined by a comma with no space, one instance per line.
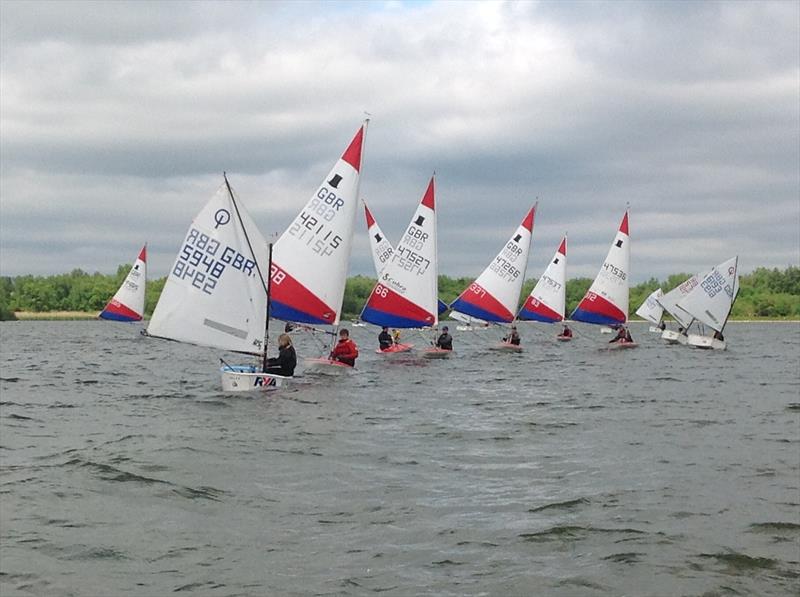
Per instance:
(662,326)
(445,340)
(345,350)
(286,360)
(396,336)
(513,337)
(622,336)
(385,339)
(566,332)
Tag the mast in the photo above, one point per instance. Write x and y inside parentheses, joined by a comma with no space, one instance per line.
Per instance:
(266,324)
(258,268)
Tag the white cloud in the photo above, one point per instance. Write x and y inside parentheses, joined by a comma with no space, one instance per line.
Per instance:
(689,111)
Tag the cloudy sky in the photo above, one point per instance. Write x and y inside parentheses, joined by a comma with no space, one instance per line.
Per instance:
(117,120)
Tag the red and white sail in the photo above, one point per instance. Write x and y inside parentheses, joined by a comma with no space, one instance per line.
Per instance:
(547,300)
(494,295)
(310,259)
(406,293)
(128,303)
(379,245)
(606,301)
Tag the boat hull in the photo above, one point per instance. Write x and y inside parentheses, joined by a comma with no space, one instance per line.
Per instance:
(605,330)
(324,366)
(395,349)
(436,353)
(705,342)
(561,338)
(621,345)
(671,337)
(654,329)
(506,347)
(245,378)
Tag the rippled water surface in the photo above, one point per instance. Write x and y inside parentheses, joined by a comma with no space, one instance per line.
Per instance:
(564,470)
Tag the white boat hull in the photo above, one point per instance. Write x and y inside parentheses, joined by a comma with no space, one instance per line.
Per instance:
(654,329)
(436,353)
(324,366)
(705,342)
(605,330)
(673,337)
(245,378)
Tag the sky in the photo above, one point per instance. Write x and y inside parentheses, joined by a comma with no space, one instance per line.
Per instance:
(117,120)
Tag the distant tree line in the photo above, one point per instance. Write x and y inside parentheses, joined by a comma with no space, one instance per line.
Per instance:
(767,293)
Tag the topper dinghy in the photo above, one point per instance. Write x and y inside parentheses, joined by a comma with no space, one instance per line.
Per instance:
(547,301)
(606,301)
(128,303)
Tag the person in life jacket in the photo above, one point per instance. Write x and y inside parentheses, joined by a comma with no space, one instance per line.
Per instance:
(566,332)
(445,340)
(345,350)
(623,335)
(385,339)
(286,360)
(513,337)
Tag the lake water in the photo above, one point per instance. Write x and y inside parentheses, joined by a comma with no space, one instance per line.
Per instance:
(564,470)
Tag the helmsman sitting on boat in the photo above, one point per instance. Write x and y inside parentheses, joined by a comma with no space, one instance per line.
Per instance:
(513,337)
(286,360)
(345,350)
(445,340)
(623,335)
(566,332)
(385,339)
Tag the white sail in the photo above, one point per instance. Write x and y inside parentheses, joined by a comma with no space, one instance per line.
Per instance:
(128,303)
(215,294)
(650,309)
(380,247)
(671,299)
(711,301)
(310,259)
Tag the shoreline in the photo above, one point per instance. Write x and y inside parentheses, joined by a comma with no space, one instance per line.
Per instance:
(90,315)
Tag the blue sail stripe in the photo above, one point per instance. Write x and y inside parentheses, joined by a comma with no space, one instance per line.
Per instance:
(382,318)
(589,317)
(466,308)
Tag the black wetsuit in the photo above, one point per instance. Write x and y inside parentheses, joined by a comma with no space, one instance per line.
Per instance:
(445,341)
(284,363)
(385,340)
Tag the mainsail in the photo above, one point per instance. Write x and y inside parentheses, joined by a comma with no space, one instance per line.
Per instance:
(310,259)
(650,309)
(671,299)
(547,300)
(406,293)
(494,295)
(128,303)
(215,294)
(711,301)
(606,301)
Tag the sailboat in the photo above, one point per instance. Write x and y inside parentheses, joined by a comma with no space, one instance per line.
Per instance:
(309,268)
(651,310)
(494,295)
(606,301)
(547,301)
(382,251)
(216,293)
(405,295)
(711,303)
(128,302)
(670,302)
